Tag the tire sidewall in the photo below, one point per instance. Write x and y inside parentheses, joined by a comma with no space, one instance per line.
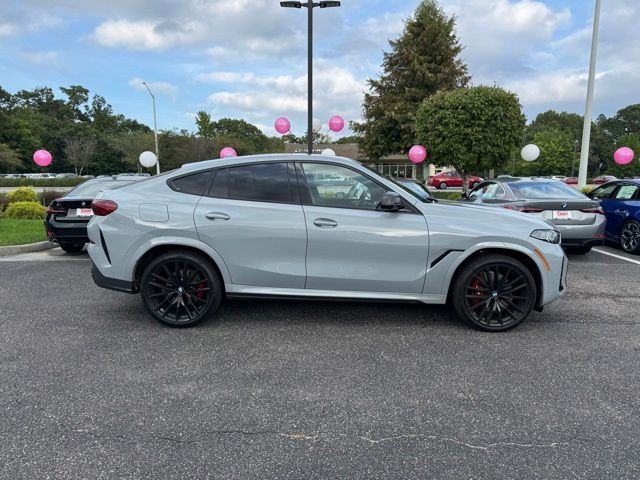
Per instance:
(209,270)
(442,186)
(458,293)
(637,249)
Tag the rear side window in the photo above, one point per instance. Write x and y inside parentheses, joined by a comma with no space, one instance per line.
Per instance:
(261,182)
(195,184)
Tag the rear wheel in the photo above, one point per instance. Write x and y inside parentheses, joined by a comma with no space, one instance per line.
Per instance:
(442,186)
(72,247)
(630,237)
(180,289)
(494,292)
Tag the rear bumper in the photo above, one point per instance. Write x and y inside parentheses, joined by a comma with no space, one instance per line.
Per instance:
(66,231)
(582,242)
(110,283)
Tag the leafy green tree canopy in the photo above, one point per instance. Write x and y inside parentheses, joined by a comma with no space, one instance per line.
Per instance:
(473,129)
(424,60)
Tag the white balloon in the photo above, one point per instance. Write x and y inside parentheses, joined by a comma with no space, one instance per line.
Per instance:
(316,125)
(329,151)
(148,159)
(530,152)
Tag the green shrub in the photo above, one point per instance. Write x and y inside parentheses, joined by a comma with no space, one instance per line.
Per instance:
(446,195)
(51,195)
(22,194)
(41,182)
(31,210)
(3,201)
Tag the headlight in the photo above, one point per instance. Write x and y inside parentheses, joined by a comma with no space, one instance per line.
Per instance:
(551,236)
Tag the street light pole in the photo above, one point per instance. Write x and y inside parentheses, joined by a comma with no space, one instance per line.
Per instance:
(586,129)
(309,5)
(573,160)
(155,127)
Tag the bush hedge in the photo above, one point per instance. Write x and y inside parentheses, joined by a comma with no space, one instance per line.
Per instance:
(22,194)
(30,210)
(41,182)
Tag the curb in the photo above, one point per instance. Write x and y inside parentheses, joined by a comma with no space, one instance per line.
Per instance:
(28,248)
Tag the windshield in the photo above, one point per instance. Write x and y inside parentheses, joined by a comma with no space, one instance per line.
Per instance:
(91,189)
(544,190)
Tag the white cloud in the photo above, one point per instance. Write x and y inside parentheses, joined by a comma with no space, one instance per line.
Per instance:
(156,87)
(48,59)
(147,35)
(6,29)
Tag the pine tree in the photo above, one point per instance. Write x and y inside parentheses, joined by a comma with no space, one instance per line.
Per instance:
(423,61)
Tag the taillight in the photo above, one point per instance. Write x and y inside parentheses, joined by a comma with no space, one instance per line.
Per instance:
(102,208)
(53,208)
(523,209)
(593,210)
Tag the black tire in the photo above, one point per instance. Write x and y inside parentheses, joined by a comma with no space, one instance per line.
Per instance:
(630,237)
(181,288)
(72,247)
(482,282)
(579,250)
(443,186)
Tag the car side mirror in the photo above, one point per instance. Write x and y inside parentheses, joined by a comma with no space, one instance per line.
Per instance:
(391,202)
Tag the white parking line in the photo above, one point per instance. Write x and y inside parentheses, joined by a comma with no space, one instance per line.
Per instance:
(616,256)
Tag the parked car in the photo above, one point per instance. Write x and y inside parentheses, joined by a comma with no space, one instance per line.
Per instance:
(261,226)
(579,219)
(415,187)
(570,180)
(66,175)
(67,217)
(620,201)
(601,179)
(445,180)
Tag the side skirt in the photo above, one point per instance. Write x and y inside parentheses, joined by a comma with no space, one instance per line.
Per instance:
(248,291)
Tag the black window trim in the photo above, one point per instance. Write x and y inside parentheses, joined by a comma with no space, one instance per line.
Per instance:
(410,209)
(291,178)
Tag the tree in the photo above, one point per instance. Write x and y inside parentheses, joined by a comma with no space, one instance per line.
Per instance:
(556,154)
(624,122)
(424,60)
(9,159)
(472,129)
(348,139)
(204,124)
(79,152)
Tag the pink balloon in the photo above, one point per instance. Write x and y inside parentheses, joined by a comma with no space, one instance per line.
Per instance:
(417,154)
(336,123)
(42,158)
(228,152)
(282,125)
(623,156)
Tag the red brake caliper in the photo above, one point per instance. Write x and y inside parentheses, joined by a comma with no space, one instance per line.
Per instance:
(200,295)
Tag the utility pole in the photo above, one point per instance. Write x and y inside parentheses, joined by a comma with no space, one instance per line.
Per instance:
(155,128)
(588,110)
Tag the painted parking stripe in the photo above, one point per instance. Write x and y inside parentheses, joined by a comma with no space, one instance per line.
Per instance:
(637,262)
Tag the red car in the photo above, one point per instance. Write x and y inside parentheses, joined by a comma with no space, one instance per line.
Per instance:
(602,179)
(452,179)
(570,180)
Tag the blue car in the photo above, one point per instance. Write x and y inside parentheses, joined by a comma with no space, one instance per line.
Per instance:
(620,201)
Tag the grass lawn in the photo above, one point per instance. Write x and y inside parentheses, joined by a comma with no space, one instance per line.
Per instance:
(15,231)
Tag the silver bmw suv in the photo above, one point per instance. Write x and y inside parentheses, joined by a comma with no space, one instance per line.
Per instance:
(316,227)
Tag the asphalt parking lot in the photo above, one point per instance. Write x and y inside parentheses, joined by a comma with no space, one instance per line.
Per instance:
(91,387)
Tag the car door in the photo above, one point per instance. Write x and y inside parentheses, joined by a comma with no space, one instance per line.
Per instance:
(252,217)
(354,246)
(605,195)
(620,205)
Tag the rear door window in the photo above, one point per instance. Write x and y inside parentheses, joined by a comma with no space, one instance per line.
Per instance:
(260,182)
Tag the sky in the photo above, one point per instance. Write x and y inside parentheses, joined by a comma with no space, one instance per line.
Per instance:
(247,58)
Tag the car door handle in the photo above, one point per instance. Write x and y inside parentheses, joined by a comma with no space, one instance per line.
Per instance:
(217,216)
(325,223)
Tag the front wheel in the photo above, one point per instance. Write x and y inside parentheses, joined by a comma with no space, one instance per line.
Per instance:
(630,237)
(442,186)
(180,289)
(494,292)
(72,247)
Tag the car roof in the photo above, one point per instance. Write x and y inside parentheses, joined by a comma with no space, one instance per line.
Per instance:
(271,157)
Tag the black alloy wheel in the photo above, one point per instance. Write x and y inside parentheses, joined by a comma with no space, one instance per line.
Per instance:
(630,237)
(71,247)
(180,289)
(494,292)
